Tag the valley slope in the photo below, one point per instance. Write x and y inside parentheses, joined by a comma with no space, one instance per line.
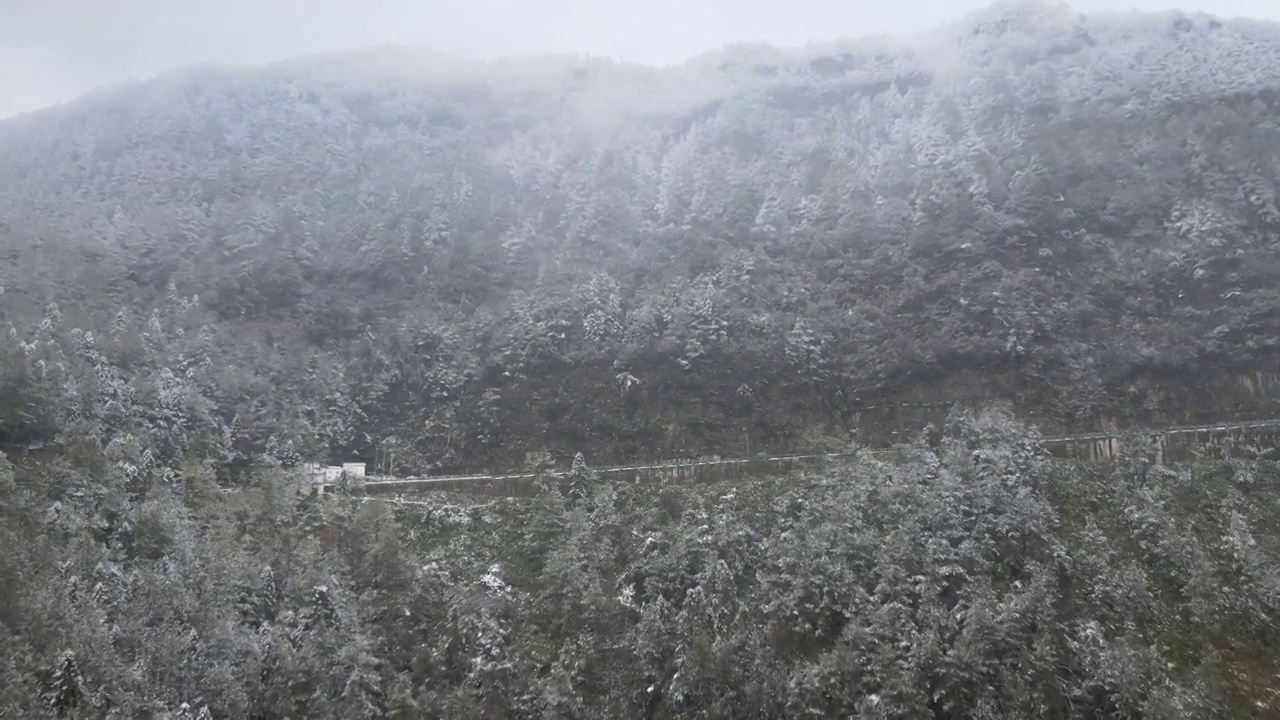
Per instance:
(392,254)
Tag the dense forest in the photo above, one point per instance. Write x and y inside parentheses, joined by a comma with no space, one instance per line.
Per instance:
(972,579)
(464,263)
(427,264)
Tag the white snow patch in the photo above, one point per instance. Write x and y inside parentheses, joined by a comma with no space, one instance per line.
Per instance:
(493,580)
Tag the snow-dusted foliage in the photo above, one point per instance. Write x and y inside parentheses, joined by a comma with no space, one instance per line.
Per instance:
(973,577)
(403,255)
(430,264)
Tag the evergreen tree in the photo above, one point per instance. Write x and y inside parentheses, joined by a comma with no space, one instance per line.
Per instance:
(66,691)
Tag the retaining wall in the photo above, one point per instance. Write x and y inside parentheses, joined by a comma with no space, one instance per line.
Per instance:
(1177,444)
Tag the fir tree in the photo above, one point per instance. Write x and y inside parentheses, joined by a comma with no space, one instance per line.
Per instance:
(66,689)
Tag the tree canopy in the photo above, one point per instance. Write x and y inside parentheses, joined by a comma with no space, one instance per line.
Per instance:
(471,262)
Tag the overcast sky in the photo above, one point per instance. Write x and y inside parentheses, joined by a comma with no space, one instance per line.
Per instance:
(54,50)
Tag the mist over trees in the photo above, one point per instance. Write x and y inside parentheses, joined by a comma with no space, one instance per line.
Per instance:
(429,265)
(471,262)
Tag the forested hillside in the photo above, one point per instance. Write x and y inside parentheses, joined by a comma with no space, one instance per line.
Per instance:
(429,264)
(461,263)
(975,579)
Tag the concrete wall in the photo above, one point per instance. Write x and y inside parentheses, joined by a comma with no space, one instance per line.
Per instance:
(1226,393)
(1211,392)
(1176,445)
(1173,446)
(525,484)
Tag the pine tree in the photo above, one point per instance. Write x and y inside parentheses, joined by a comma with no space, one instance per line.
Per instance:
(324,609)
(581,479)
(66,688)
(362,694)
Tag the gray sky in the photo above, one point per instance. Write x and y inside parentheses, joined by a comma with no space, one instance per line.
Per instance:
(54,50)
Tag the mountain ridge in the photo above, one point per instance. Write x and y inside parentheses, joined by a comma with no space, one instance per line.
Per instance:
(567,253)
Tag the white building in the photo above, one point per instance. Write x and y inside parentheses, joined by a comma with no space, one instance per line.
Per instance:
(315,476)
